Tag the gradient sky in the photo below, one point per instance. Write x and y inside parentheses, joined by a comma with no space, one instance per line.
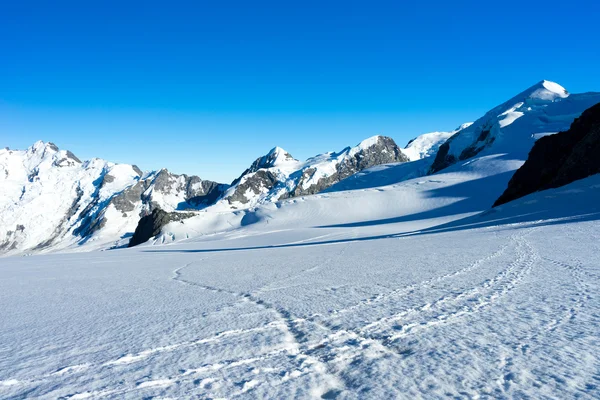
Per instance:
(206,87)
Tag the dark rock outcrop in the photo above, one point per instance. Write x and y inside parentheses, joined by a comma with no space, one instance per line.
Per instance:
(137,170)
(126,200)
(559,159)
(152,224)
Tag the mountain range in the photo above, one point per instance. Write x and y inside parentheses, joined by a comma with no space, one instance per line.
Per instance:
(52,201)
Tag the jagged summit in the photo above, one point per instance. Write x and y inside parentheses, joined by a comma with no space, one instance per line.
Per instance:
(275,157)
(40,145)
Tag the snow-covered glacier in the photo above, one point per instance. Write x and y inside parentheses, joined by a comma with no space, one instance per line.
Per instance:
(501,304)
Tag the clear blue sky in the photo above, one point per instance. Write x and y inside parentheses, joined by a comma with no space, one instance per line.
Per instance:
(205,87)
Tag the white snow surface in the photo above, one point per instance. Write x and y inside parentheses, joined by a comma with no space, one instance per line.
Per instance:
(330,296)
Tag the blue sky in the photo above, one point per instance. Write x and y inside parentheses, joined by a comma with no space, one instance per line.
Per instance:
(206,87)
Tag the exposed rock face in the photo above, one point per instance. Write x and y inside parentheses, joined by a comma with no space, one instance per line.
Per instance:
(278,175)
(126,200)
(261,181)
(559,159)
(152,224)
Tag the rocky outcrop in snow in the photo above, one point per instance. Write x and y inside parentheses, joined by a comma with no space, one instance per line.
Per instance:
(559,159)
(151,225)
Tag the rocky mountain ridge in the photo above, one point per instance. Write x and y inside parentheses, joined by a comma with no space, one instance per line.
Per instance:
(51,200)
(277,175)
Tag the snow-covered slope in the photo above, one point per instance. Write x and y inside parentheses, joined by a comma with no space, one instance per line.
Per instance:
(51,200)
(427,144)
(277,175)
(503,304)
(512,126)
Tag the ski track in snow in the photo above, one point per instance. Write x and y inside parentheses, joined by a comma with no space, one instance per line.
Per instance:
(318,348)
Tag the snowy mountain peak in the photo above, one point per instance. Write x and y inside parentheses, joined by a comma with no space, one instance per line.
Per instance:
(45,155)
(365,144)
(548,91)
(40,145)
(40,150)
(542,108)
(277,156)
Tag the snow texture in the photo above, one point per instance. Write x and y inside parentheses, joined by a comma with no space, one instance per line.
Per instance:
(429,303)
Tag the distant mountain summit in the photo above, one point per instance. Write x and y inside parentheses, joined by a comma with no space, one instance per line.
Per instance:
(277,175)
